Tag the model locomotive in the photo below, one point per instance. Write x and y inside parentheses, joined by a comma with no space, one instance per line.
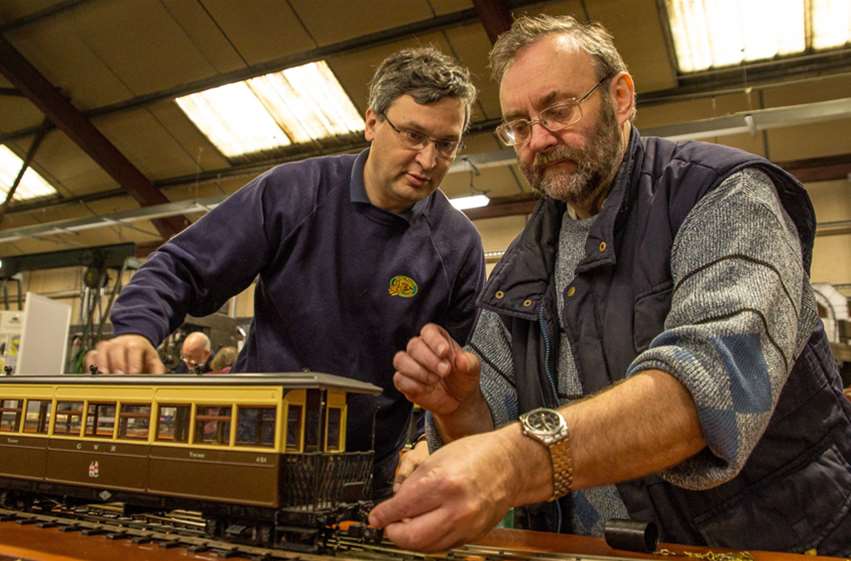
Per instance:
(262,456)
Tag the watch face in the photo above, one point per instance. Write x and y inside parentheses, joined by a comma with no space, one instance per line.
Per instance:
(544,421)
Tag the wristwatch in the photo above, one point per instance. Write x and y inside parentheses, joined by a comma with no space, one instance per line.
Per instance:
(549,427)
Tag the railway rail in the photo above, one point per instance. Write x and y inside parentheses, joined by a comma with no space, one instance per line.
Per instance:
(186,530)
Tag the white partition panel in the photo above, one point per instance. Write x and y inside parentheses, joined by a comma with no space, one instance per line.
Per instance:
(44,336)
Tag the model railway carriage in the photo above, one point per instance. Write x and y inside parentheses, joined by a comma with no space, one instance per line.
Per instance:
(262,456)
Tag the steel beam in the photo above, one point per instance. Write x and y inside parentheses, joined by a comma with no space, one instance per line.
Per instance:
(40,15)
(36,87)
(10,194)
(495,16)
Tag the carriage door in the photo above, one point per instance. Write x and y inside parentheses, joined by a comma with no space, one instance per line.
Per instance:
(314,420)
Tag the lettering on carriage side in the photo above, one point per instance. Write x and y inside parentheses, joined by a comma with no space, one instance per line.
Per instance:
(79,446)
(113,448)
(12,440)
(94,469)
(197,455)
(95,447)
(262,460)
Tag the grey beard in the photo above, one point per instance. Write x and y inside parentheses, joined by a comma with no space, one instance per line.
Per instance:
(594,165)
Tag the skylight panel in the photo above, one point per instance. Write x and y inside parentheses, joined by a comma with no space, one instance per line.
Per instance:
(233,119)
(718,33)
(32,185)
(295,106)
(831,21)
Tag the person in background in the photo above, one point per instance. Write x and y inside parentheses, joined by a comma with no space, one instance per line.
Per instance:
(352,255)
(649,345)
(223,360)
(195,353)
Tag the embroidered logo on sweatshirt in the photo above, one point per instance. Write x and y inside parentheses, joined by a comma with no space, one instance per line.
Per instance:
(402,286)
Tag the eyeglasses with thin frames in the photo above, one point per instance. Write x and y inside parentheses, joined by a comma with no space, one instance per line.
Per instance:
(554,118)
(415,140)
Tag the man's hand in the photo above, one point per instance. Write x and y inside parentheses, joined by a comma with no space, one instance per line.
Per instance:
(457,494)
(409,460)
(128,354)
(436,373)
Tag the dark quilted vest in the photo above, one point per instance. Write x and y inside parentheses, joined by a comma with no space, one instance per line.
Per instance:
(794,492)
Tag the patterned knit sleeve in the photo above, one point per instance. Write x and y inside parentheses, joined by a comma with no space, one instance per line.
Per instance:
(740,314)
(491,342)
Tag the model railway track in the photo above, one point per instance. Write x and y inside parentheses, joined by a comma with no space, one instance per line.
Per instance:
(186,530)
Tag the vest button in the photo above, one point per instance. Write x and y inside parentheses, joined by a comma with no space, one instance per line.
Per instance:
(571,291)
(499,295)
(602,247)
(527,302)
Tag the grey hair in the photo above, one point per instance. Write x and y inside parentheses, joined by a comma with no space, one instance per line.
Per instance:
(592,38)
(425,74)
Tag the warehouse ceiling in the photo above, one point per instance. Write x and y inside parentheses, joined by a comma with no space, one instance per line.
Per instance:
(88,89)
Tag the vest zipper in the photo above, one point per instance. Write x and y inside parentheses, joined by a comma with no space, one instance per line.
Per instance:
(542,323)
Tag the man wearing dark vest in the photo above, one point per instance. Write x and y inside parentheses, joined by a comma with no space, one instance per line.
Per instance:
(652,329)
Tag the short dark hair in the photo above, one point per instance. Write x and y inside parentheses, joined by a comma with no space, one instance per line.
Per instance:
(425,74)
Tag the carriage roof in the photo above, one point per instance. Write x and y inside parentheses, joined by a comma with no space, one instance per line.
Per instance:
(294,380)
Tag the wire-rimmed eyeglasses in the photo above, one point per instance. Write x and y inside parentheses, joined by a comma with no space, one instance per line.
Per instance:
(415,140)
(554,118)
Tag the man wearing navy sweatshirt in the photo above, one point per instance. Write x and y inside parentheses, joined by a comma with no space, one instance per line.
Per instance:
(352,255)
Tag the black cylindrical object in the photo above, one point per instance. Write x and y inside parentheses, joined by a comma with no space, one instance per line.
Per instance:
(632,535)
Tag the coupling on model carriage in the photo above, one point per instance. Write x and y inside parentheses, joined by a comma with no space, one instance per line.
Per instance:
(262,456)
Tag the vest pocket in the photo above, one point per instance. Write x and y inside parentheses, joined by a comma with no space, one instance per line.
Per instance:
(649,313)
(791,512)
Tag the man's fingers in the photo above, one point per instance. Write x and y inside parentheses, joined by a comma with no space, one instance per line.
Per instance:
(439,340)
(410,388)
(406,468)
(113,359)
(101,357)
(429,532)
(135,360)
(413,368)
(413,499)
(155,365)
(409,460)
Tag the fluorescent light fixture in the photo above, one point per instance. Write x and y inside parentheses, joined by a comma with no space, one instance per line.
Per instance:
(473,201)
(32,185)
(718,33)
(295,106)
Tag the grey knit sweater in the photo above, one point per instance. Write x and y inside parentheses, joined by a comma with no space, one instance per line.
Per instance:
(740,317)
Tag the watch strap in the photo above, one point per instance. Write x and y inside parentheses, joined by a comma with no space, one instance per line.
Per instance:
(562,464)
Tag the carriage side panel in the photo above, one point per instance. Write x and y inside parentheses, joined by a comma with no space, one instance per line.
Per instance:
(218,475)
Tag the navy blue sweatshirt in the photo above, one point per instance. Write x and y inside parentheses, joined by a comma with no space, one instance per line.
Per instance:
(341,285)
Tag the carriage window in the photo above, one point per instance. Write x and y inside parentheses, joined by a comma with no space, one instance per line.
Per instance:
(100,420)
(212,424)
(293,427)
(173,423)
(313,422)
(69,417)
(255,426)
(10,414)
(332,439)
(37,418)
(134,421)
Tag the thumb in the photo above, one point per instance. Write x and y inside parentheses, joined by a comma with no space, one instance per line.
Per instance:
(465,363)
